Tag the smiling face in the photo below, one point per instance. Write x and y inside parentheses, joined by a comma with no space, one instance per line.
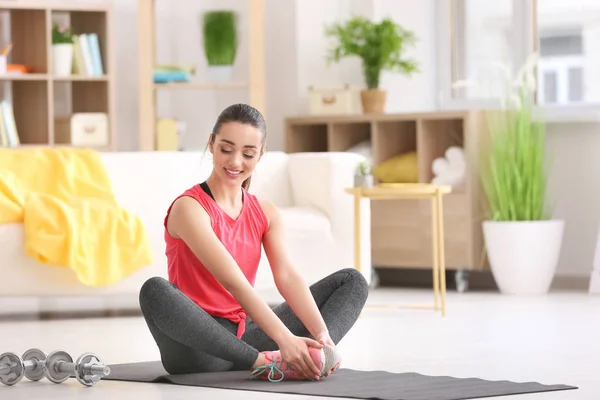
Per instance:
(236,150)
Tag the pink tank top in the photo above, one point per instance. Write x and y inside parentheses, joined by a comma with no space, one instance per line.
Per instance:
(243,239)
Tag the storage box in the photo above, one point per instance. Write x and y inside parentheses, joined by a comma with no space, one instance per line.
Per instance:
(334,100)
(82,129)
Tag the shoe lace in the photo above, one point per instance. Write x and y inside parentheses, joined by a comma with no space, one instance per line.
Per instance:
(273,367)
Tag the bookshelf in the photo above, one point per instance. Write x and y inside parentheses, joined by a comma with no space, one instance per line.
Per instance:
(401,229)
(256,84)
(36,92)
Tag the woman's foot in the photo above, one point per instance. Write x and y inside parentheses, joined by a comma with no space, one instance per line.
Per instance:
(270,364)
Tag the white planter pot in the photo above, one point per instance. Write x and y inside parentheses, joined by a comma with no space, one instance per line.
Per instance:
(62,55)
(363,181)
(220,73)
(523,254)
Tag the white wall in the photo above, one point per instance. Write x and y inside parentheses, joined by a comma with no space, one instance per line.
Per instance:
(575,168)
(415,93)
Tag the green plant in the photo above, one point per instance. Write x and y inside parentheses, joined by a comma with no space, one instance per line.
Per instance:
(379,45)
(513,173)
(363,168)
(62,34)
(220,37)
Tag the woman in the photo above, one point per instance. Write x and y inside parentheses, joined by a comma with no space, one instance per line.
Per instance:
(208,317)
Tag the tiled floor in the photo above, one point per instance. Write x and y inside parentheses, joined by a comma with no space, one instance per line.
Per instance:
(551,339)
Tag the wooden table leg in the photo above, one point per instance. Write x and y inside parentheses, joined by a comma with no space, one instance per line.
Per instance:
(357,243)
(442,250)
(435,250)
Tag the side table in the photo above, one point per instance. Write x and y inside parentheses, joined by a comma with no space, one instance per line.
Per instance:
(411,191)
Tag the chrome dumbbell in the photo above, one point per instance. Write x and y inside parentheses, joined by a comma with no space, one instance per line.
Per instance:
(88,369)
(13,367)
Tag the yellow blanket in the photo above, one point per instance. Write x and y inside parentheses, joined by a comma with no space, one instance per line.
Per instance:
(71,217)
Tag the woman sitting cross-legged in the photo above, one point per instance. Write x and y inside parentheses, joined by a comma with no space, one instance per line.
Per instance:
(207,317)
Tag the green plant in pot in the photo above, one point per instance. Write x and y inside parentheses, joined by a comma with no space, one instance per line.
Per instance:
(363,176)
(380,46)
(62,50)
(219,30)
(522,239)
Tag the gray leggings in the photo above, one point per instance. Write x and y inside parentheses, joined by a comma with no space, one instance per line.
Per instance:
(191,341)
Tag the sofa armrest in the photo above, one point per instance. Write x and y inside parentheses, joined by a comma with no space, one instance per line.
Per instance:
(319,180)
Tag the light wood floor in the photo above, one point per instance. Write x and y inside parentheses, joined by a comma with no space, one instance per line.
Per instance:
(551,339)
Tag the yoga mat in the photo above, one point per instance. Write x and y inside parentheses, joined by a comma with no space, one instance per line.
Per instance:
(343,383)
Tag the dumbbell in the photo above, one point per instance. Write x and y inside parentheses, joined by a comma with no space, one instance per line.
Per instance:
(88,369)
(13,367)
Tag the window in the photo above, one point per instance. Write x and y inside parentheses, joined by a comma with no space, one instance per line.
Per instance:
(487,34)
(560,70)
(482,46)
(568,39)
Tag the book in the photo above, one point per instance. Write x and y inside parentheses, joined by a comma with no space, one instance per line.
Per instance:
(78,60)
(94,47)
(10,124)
(87,55)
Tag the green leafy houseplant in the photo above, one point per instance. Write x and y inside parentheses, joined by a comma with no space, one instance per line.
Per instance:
(514,175)
(363,169)
(380,46)
(522,240)
(220,37)
(362,175)
(62,34)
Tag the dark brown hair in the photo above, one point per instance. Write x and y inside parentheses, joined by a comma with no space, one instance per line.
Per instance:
(244,114)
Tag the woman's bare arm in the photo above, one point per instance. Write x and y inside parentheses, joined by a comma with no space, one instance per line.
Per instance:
(190,222)
(289,281)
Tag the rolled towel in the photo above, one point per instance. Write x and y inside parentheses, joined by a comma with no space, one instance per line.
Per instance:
(451,169)
(456,158)
(439,166)
(455,154)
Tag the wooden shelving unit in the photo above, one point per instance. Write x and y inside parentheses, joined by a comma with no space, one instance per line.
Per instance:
(401,229)
(256,84)
(33,94)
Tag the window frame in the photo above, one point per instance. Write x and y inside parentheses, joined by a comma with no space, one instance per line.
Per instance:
(524,25)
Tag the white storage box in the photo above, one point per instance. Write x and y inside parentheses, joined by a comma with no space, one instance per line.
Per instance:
(82,129)
(334,100)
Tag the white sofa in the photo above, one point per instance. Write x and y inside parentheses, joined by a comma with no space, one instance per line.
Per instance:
(307,187)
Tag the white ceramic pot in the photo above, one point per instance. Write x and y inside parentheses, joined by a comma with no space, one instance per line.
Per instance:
(523,254)
(363,181)
(62,55)
(220,73)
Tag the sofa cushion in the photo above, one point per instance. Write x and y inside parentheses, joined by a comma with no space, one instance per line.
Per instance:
(309,244)
(305,221)
(271,181)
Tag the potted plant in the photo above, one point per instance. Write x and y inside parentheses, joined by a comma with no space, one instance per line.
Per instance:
(220,43)
(363,176)
(62,50)
(522,239)
(380,46)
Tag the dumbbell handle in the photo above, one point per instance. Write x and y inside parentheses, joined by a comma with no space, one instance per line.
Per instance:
(33,363)
(88,369)
(5,368)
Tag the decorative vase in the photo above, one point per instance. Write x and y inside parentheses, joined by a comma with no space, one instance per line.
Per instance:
(62,55)
(363,181)
(523,255)
(220,73)
(373,101)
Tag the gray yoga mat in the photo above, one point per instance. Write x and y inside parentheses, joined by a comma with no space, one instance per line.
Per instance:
(343,383)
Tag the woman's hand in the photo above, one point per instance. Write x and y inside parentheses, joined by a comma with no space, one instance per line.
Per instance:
(294,350)
(324,338)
